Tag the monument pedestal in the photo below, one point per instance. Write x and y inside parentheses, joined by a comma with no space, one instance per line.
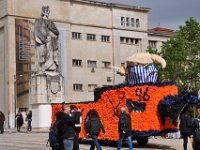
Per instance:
(46,88)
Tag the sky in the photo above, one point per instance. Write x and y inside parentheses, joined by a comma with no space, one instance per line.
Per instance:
(166,13)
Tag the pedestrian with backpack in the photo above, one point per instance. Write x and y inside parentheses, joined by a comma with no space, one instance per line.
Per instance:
(186,125)
(55,139)
(124,129)
(196,130)
(93,127)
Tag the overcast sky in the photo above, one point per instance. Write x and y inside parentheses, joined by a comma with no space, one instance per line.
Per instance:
(166,13)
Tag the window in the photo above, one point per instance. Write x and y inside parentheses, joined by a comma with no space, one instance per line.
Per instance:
(106,64)
(127,21)
(105,38)
(152,44)
(91,64)
(122,21)
(76,62)
(137,22)
(127,40)
(92,87)
(20,67)
(132,22)
(109,79)
(136,41)
(122,39)
(77,87)
(76,35)
(91,37)
(131,41)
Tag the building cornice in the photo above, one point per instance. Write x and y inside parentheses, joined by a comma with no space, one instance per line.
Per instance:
(160,34)
(159,31)
(111,5)
(79,24)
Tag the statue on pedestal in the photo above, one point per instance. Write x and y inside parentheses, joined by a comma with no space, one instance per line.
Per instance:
(46,38)
(46,81)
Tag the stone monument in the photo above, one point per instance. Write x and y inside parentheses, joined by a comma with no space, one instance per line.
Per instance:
(47,80)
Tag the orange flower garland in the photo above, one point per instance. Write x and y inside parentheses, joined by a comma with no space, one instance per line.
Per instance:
(112,100)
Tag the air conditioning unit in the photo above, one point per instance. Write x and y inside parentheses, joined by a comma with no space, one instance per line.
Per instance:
(109,79)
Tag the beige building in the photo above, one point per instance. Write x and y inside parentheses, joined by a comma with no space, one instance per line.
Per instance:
(95,38)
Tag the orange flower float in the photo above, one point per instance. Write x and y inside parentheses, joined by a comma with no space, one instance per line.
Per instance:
(141,101)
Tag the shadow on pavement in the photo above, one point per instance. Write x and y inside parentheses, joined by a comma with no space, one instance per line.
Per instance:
(154,146)
(135,145)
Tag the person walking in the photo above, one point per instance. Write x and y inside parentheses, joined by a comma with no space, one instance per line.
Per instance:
(124,129)
(93,127)
(29,119)
(196,131)
(2,119)
(186,126)
(20,121)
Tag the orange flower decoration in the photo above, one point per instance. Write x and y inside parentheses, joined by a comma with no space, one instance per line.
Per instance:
(111,101)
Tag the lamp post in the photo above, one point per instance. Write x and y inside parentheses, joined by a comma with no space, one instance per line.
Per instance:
(15,87)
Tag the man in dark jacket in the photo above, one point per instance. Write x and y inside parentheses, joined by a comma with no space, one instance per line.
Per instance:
(186,125)
(67,127)
(2,119)
(124,129)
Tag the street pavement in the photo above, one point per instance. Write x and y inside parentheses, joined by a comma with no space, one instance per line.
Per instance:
(12,140)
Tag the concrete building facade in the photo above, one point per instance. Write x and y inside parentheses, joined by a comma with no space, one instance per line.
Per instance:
(95,38)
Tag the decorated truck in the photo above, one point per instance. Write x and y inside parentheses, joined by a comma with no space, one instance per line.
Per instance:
(154,108)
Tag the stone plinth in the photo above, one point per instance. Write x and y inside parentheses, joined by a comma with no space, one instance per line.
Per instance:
(46,88)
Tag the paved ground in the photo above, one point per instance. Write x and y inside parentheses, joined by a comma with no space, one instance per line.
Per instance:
(37,141)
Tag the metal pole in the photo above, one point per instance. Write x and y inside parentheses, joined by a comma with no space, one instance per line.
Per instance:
(15,102)
(29,92)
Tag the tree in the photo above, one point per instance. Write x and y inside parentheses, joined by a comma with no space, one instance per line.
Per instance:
(182,54)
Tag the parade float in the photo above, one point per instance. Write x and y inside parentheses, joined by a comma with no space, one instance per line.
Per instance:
(154,107)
